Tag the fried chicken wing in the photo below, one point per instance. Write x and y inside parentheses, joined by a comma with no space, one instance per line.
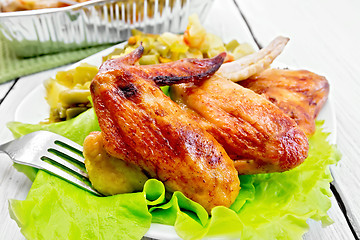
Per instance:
(255,133)
(300,94)
(144,127)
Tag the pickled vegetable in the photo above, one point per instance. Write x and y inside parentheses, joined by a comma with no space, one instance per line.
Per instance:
(72,97)
(74,111)
(242,50)
(68,93)
(149,59)
(194,43)
(195,33)
(232,45)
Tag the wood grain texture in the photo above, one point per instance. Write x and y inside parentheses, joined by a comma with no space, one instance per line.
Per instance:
(14,184)
(325,39)
(4,89)
(337,231)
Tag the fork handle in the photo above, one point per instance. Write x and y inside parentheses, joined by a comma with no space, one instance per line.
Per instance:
(42,165)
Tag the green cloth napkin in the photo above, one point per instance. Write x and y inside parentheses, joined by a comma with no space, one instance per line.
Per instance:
(12,67)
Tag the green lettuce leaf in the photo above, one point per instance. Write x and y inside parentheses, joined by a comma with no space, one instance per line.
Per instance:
(75,129)
(55,209)
(268,206)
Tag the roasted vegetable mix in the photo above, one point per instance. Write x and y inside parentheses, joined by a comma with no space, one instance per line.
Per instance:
(68,93)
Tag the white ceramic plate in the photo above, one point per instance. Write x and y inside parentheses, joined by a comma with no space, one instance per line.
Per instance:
(26,112)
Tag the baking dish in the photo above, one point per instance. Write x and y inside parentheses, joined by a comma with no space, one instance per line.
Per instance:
(96,22)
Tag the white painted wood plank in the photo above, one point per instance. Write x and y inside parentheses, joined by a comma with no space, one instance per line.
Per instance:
(4,88)
(13,184)
(324,38)
(337,231)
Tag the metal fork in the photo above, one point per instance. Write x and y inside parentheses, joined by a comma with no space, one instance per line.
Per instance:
(35,148)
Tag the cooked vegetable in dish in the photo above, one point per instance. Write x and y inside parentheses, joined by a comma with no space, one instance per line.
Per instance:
(68,93)
(194,43)
(22,5)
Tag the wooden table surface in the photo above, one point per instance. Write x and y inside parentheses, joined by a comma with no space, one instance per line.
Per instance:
(324,38)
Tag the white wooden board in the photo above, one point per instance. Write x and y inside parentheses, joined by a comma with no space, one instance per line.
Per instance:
(325,38)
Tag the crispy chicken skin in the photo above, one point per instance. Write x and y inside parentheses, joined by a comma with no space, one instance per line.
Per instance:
(255,133)
(143,126)
(300,94)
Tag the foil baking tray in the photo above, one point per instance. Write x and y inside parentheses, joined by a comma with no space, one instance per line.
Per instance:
(96,22)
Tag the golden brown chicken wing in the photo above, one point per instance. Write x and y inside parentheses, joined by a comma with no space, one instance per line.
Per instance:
(254,132)
(143,126)
(300,94)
